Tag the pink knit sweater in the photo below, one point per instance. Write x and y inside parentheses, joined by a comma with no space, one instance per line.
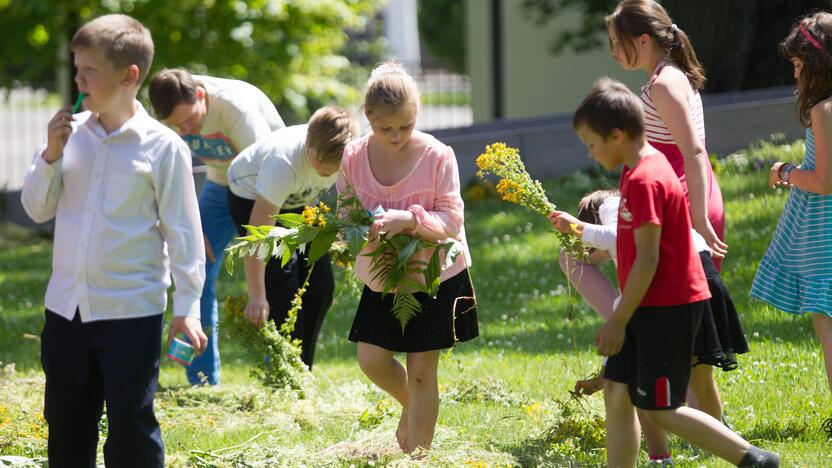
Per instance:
(430,191)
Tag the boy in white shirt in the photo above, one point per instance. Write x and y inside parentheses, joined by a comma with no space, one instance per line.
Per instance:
(282,174)
(119,186)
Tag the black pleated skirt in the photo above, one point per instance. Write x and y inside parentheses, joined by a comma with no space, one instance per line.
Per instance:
(450,317)
(720,337)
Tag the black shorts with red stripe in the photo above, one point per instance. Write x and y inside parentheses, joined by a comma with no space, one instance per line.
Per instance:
(655,360)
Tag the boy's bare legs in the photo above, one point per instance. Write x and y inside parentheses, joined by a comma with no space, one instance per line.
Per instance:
(654,437)
(623,435)
(379,365)
(701,430)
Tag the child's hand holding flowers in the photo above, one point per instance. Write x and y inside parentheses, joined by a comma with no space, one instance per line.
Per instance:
(566,223)
(392,222)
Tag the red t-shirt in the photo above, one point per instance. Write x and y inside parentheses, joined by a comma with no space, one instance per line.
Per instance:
(651,193)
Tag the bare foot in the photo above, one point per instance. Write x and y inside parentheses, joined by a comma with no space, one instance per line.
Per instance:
(419,453)
(589,386)
(402,434)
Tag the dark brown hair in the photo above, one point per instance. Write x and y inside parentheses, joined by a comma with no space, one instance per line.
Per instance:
(390,85)
(610,105)
(815,81)
(123,40)
(590,204)
(632,18)
(330,129)
(169,88)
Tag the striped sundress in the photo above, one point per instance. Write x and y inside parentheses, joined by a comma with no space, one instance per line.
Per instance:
(795,275)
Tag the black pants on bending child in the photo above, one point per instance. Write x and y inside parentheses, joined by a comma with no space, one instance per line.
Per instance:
(86,364)
(282,282)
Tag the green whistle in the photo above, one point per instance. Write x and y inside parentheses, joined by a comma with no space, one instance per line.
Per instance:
(78,103)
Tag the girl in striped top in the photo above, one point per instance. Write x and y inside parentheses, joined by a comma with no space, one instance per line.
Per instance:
(643,37)
(796,273)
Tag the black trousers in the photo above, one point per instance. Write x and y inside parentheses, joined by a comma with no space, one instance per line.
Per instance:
(282,282)
(86,364)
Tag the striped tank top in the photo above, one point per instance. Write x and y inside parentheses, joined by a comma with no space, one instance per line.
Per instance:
(655,128)
(658,135)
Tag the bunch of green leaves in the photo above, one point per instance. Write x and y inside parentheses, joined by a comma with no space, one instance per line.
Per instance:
(392,261)
(282,241)
(275,355)
(393,264)
(578,433)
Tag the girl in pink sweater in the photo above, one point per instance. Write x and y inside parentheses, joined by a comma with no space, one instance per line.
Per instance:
(415,179)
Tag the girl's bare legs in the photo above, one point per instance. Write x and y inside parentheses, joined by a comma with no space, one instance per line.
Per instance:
(654,436)
(379,365)
(423,390)
(704,388)
(823,328)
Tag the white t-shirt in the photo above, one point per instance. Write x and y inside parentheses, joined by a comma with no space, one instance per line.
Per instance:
(278,169)
(239,114)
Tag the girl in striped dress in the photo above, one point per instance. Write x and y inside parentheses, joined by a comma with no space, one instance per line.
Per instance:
(796,273)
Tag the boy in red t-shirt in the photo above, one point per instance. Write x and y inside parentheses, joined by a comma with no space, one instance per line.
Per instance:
(651,334)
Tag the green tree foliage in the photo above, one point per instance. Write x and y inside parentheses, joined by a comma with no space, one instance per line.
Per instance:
(291,49)
(736,41)
(442,28)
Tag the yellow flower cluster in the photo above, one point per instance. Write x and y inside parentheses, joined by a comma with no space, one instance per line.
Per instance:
(517,186)
(511,191)
(316,215)
(496,155)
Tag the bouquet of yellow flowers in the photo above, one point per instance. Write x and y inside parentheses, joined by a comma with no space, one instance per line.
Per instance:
(517,186)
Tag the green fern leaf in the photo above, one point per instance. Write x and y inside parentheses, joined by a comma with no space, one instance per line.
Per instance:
(405,308)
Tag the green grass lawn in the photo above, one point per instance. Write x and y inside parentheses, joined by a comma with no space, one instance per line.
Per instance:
(505,397)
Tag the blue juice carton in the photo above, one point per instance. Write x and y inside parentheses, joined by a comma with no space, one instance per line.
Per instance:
(181,352)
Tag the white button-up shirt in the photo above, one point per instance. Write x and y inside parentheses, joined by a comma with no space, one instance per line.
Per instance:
(126,215)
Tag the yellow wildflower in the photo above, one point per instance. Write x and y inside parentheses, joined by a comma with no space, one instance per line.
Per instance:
(517,186)
(309,215)
(510,190)
(533,409)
